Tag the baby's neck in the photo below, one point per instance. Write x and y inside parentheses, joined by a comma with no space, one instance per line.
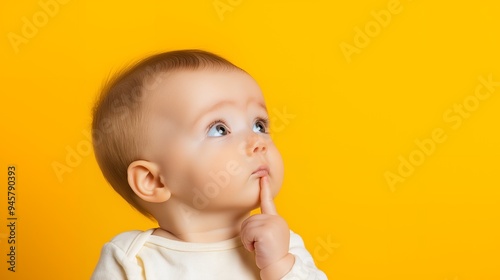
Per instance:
(202,228)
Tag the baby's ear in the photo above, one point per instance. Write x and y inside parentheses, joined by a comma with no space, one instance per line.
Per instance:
(144,179)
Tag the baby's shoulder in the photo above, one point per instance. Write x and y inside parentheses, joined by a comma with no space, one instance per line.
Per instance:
(125,237)
(130,241)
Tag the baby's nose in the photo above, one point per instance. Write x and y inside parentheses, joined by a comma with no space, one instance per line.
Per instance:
(256,144)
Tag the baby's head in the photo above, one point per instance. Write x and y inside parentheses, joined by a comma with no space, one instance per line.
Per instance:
(185,130)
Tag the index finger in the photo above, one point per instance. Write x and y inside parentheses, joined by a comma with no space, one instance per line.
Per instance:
(266,197)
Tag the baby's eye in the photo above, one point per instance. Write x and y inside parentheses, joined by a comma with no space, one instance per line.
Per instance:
(261,126)
(217,129)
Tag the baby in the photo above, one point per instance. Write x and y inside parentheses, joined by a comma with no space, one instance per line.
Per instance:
(183,136)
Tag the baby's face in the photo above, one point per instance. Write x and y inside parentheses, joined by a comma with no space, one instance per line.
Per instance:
(208,133)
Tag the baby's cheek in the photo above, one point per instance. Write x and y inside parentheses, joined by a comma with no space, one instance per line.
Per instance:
(219,178)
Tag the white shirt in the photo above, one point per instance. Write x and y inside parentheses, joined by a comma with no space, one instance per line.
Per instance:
(138,255)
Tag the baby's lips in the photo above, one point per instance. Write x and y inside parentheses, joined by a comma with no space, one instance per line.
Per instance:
(261,171)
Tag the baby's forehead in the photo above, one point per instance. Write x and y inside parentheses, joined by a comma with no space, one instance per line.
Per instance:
(187,92)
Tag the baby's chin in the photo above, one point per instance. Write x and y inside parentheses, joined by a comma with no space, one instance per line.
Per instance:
(253,204)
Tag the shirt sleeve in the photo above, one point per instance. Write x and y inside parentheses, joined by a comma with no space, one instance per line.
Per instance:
(114,264)
(304,267)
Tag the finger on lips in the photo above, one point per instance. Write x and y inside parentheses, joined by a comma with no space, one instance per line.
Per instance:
(266,197)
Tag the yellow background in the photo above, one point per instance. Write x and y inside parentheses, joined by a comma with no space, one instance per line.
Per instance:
(353,117)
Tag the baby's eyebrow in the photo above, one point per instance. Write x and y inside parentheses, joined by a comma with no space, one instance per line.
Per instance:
(220,105)
(213,108)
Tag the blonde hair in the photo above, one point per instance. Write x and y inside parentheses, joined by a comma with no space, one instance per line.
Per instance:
(118,117)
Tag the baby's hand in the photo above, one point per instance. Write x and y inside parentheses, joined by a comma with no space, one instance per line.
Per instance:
(269,236)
